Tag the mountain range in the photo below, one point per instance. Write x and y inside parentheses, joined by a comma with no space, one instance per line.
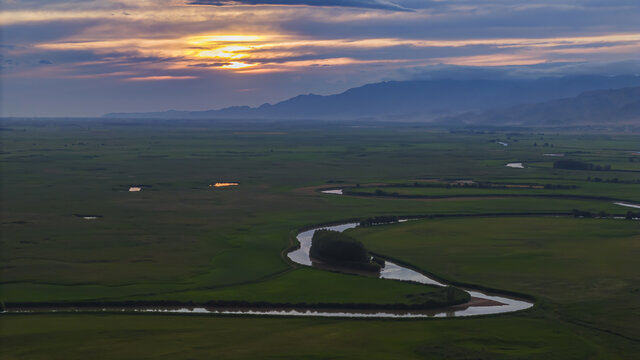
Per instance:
(419,100)
(599,107)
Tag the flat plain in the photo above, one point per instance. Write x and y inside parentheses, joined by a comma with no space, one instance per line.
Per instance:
(184,240)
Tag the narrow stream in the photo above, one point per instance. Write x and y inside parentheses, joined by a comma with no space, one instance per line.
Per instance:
(481,303)
(397,272)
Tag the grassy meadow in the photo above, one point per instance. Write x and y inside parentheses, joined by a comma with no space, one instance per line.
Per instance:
(181,239)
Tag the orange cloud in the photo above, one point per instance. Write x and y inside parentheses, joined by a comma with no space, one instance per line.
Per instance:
(273,52)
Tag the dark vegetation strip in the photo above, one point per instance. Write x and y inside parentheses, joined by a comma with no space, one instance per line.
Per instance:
(430,304)
(531,164)
(450,184)
(497,214)
(384,194)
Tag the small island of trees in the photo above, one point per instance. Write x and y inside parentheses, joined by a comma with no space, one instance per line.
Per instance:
(336,248)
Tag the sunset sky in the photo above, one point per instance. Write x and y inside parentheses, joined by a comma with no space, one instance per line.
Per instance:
(86,58)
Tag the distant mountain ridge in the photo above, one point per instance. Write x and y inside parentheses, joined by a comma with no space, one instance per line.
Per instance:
(409,100)
(599,107)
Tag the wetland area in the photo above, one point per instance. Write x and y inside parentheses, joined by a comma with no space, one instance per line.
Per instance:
(546,255)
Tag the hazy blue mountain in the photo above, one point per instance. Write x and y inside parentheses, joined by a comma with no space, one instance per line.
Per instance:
(412,100)
(599,107)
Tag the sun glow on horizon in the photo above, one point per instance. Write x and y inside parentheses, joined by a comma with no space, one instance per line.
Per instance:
(226,48)
(237,65)
(227,52)
(206,39)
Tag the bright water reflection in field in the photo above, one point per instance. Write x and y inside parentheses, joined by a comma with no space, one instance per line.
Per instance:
(334,192)
(627,205)
(515,165)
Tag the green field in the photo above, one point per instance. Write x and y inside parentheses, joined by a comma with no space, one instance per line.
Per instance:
(565,262)
(180,239)
(192,337)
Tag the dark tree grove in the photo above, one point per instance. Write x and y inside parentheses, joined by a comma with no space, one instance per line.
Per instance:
(337,248)
(579,165)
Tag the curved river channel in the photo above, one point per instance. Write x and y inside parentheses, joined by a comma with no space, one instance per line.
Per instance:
(481,303)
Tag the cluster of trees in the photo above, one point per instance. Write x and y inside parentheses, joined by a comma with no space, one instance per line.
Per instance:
(603,214)
(377,220)
(475,185)
(433,300)
(559,187)
(379,261)
(588,214)
(87,215)
(472,185)
(488,185)
(579,165)
(499,140)
(613,180)
(580,213)
(385,193)
(336,248)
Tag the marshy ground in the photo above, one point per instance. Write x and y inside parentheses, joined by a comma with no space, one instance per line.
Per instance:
(180,240)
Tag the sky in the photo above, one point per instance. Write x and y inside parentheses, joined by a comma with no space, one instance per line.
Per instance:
(87,58)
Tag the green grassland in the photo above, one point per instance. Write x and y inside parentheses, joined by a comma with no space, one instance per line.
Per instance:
(180,239)
(565,262)
(105,336)
(311,286)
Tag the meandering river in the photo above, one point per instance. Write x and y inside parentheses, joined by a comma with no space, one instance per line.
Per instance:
(482,303)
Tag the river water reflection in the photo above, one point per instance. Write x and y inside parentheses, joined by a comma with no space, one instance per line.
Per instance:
(397,272)
(481,303)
